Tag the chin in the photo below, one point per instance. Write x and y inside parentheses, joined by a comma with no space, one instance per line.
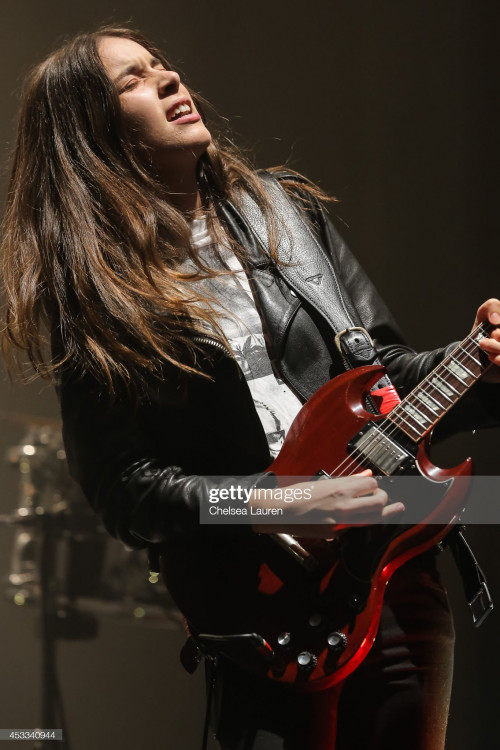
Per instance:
(205,139)
(200,146)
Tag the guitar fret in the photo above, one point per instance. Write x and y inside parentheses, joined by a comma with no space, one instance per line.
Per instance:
(428,395)
(463,367)
(454,375)
(454,369)
(420,418)
(440,390)
(426,400)
(470,355)
(443,389)
(447,383)
(402,418)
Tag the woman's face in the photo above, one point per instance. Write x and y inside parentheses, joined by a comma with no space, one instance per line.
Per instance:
(158,110)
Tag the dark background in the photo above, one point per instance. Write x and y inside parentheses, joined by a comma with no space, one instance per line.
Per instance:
(392,107)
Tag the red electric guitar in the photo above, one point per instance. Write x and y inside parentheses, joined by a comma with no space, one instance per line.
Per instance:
(307,615)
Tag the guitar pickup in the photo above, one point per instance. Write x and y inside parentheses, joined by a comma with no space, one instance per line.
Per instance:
(375,447)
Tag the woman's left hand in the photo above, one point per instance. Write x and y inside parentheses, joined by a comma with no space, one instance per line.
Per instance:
(490,310)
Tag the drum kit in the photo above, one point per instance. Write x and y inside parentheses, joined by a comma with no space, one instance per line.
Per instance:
(65,564)
(90,572)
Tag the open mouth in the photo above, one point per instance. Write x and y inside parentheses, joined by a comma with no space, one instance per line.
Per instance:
(179,110)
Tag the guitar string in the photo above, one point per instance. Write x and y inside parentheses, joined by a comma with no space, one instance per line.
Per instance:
(402,417)
(395,425)
(399,421)
(459,359)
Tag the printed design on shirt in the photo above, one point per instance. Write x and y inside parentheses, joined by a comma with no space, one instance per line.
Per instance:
(275,403)
(273,428)
(239,318)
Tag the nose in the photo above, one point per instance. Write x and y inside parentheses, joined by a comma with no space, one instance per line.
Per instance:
(168,82)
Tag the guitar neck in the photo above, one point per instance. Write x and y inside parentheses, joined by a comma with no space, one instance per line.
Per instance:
(417,414)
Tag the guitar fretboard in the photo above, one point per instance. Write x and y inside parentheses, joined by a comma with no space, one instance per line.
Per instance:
(417,414)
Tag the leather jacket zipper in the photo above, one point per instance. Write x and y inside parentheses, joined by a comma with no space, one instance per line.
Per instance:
(209,340)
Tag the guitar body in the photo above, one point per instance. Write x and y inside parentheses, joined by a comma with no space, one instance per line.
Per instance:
(315,624)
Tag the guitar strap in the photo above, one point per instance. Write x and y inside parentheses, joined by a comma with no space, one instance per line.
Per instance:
(474,582)
(311,275)
(307,269)
(357,349)
(309,264)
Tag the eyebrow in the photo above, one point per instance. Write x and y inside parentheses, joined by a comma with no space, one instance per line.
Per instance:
(134,67)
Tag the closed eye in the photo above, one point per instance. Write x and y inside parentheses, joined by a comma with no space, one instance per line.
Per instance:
(139,71)
(129,85)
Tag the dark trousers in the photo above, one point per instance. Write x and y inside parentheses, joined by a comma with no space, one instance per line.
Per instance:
(397,698)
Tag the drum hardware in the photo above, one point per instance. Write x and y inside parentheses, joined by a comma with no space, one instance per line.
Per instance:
(64,563)
(93,573)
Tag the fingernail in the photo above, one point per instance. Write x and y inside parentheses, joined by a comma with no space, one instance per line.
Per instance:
(495,317)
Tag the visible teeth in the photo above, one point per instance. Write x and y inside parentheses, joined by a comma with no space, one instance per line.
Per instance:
(181,110)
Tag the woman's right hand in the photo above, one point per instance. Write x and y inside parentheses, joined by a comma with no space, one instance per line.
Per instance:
(354,500)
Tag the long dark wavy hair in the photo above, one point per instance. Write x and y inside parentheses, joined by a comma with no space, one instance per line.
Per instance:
(91,240)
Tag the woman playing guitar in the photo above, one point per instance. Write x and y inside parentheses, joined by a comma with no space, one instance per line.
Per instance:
(181,352)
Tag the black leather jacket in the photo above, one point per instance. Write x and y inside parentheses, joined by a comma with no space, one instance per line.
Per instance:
(142,467)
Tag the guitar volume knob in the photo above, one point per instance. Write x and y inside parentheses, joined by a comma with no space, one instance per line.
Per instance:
(336,641)
(306,661)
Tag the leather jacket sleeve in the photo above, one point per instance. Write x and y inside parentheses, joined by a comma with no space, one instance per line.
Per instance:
(140,497)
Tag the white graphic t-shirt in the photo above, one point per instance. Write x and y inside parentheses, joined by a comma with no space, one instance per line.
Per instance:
(238,317)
